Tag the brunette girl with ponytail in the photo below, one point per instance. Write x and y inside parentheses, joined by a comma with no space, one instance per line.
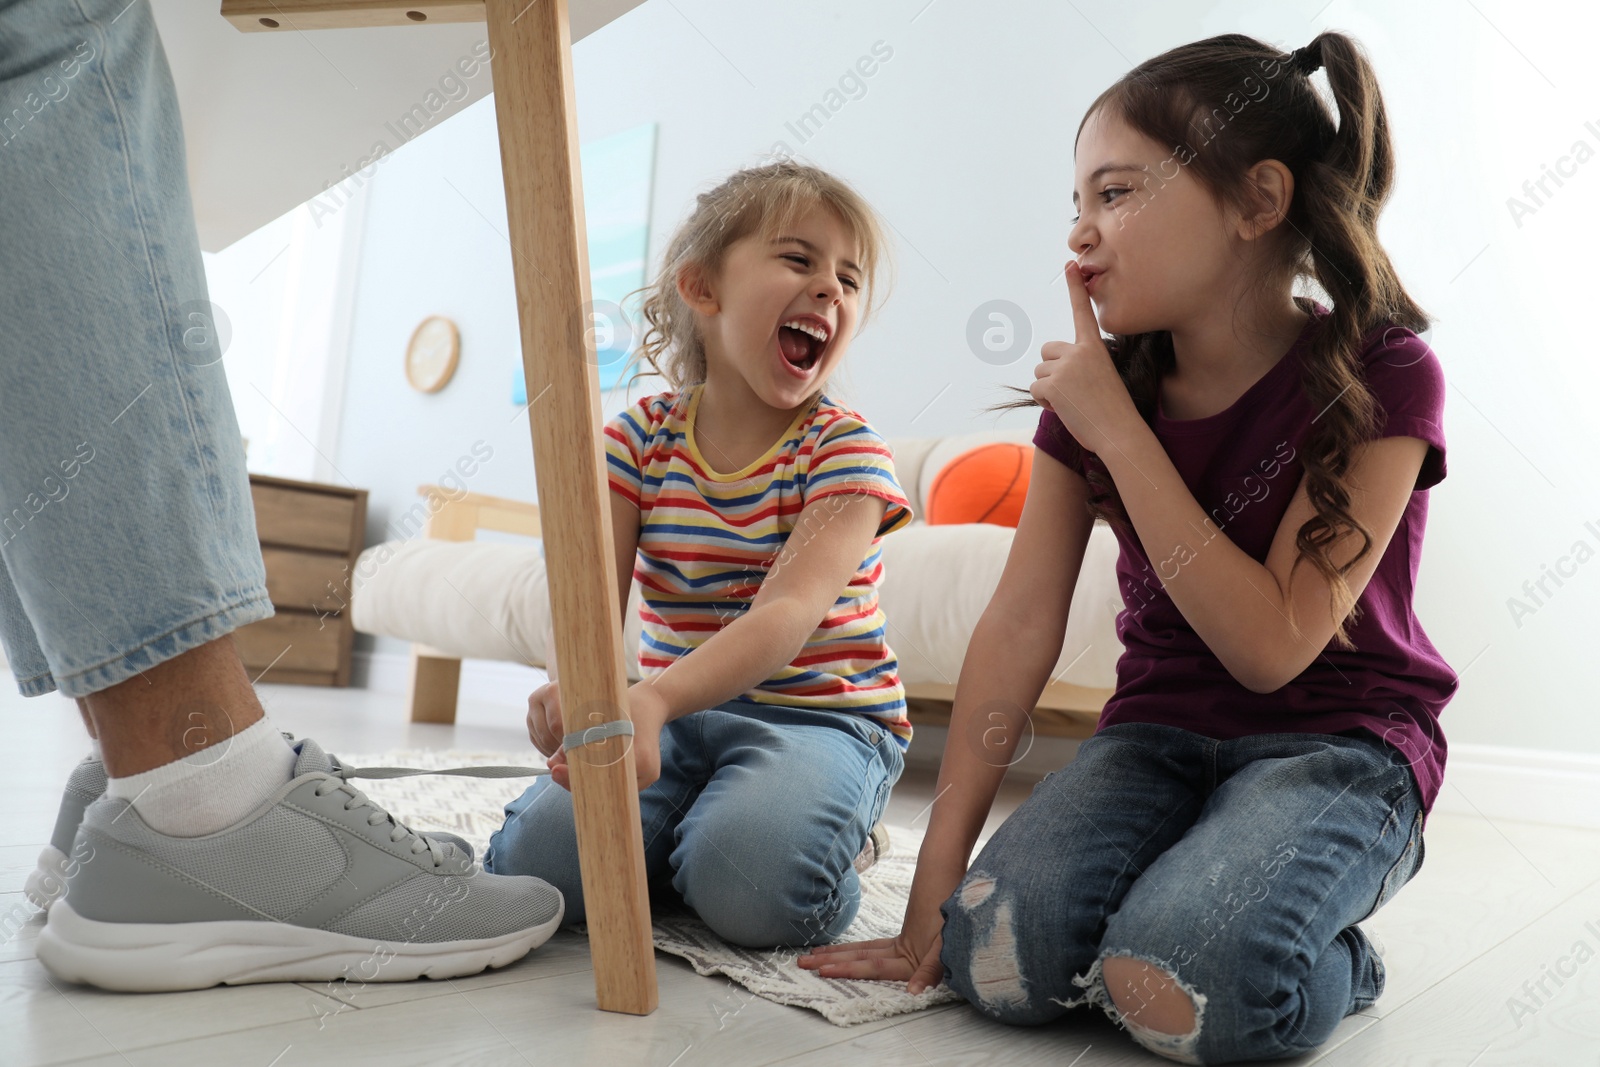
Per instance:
(1258,781)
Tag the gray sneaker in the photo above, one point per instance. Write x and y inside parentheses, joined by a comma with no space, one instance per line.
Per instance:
(85,785)
(314,883)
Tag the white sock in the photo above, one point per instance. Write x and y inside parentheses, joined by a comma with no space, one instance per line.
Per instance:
(213,788)
(94,749)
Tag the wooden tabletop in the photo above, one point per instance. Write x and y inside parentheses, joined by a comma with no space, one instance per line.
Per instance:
(272,119)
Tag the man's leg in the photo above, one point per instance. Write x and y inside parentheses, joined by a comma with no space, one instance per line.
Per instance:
(180,706)
(129,532)
(216,853)
(129,528)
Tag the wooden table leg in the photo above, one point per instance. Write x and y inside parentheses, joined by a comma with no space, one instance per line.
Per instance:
(533,97)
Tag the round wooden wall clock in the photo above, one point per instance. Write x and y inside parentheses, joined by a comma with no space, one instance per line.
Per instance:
(431,354)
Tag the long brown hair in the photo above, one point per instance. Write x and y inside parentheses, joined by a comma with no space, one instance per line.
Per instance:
(761,200)
(1342,176)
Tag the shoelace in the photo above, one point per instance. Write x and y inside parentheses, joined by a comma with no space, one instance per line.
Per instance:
(401,831)
(421,842)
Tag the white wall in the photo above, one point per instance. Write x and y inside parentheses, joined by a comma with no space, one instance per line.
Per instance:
(963,140)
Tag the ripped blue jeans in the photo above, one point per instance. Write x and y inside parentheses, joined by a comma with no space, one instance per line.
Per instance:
(1240,867)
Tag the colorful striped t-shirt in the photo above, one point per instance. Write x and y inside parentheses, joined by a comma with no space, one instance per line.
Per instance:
(706,541)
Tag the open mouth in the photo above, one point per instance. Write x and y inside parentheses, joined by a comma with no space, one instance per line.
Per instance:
(801,344)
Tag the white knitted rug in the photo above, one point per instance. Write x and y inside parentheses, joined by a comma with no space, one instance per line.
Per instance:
(473,808)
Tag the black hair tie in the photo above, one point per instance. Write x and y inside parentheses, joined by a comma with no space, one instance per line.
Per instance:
(1306,59)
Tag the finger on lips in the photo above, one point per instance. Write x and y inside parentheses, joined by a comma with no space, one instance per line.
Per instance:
(1087,326)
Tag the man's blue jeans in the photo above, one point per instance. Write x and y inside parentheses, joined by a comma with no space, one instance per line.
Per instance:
(1238,866)
(126,525)
(755,822)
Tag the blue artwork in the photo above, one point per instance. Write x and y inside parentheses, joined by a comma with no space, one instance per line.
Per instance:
(617,173)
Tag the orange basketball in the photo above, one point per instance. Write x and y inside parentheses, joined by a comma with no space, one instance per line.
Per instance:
(987,484)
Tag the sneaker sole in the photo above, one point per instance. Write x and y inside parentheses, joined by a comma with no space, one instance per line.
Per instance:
(46,882)
(165,957)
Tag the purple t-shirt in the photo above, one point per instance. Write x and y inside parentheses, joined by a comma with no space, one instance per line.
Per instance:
(1243,467)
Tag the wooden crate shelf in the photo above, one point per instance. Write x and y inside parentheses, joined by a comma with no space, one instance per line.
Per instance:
(311,535)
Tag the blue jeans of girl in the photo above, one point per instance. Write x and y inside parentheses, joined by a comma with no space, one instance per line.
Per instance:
(126,526)
(755,822)
(1240,867)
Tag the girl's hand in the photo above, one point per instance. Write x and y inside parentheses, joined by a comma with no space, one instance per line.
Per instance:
(546,730)
(912,957)
(1079,382)
(649,713)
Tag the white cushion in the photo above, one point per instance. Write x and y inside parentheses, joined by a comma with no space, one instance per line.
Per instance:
(474,600)
(937,581)
(484,600)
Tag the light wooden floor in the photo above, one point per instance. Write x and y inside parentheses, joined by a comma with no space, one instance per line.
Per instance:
(1495,906)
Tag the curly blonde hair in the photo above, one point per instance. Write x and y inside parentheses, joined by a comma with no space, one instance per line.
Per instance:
(765,201)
